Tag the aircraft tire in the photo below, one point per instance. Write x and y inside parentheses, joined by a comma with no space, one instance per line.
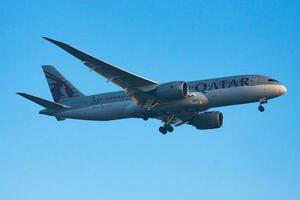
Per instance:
(261,108)
(169,128)
(163,130)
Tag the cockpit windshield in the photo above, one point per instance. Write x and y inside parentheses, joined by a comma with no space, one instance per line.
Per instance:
(273,80)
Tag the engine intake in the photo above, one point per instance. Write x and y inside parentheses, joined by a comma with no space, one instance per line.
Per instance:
(207,120)
(172,90)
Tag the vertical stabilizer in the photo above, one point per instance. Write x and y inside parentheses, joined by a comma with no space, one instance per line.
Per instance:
(61,89)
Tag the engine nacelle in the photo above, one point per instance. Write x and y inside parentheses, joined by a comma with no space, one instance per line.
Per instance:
(172,90)
(207,120)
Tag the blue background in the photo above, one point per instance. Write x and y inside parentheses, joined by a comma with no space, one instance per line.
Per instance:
(254,156)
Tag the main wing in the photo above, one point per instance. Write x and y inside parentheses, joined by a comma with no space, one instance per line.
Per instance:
(114,74)
(135,86)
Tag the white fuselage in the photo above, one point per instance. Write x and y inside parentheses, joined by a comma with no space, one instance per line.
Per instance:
(203,95)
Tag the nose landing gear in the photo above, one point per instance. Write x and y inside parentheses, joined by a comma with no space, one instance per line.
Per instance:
(261,108)
(262,101)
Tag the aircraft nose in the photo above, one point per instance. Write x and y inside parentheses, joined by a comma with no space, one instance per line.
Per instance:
(282,89)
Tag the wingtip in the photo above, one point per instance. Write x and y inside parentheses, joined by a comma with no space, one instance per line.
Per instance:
(21,94)
(46,66)
(56,42)
(46,38)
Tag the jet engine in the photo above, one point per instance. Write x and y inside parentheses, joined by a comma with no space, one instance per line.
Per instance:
(172,90)
(207,120)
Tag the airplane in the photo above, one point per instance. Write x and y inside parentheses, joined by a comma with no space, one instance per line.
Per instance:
(174,103)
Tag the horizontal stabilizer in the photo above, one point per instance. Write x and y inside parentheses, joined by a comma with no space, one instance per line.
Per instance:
(43,102)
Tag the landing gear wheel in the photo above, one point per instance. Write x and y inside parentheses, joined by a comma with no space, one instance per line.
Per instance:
(163,130)
(261,102)
(145,118)
(261,108)
(169,128)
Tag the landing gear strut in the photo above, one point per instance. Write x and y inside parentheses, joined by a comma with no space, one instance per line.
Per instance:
(261,108)
(167,127)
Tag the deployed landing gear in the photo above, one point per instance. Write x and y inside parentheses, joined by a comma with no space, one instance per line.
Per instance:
(169,128)
(163,130)
(166,128)
(261,108)
(145,118)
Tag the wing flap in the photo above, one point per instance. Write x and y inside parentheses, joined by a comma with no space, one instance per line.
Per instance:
(177,119)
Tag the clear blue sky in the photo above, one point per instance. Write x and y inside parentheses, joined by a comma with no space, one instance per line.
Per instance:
(254,156)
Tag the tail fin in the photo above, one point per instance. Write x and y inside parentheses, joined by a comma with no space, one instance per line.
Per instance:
(43,102)
(61,89)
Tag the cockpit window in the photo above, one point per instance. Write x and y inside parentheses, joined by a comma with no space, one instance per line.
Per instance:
(273,80)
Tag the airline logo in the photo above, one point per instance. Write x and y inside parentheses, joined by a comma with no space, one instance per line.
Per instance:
(58,87)
(214,85)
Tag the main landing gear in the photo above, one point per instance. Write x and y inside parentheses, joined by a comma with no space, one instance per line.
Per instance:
(261,108)
(145,118)
(166,128)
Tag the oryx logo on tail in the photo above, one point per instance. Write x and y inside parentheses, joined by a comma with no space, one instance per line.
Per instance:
(60,87)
